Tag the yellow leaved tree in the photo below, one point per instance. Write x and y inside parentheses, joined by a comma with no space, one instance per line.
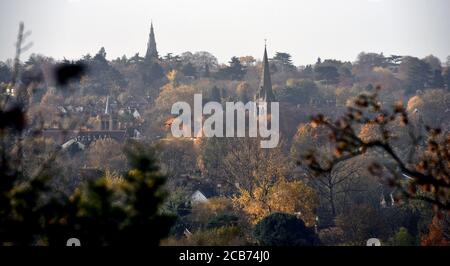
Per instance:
(293,197)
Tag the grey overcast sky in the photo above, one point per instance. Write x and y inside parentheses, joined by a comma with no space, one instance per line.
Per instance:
(306,29)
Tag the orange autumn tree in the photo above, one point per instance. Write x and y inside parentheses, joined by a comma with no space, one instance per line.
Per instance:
(437,234)
(293,197)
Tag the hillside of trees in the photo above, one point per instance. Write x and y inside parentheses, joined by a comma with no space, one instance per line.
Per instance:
(304,192)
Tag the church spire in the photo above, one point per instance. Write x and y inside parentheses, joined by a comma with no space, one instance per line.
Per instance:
(265,94)
(107,106)
(152,53)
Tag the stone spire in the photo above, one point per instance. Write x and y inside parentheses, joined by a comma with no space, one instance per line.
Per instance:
(265,93)
(107,121)
(152,53)
(107,106)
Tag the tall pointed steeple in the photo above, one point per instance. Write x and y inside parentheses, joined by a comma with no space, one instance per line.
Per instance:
(152,52)
(265,93)
(107,106)
(106,121)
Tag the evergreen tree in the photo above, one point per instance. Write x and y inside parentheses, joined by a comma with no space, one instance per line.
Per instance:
(446,77)
(327,73)
(437,80)
(403,238)
(151,71)
(236,71)
(282,229)
(416,73)
(206,72)
(215,94)
(189,70)
(284,60)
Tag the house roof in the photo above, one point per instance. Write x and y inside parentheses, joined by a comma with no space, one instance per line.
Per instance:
(83,136)
(198,197)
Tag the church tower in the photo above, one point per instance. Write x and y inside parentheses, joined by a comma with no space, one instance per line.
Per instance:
(152,53)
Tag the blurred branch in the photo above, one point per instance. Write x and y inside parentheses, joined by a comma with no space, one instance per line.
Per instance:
(430,173)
